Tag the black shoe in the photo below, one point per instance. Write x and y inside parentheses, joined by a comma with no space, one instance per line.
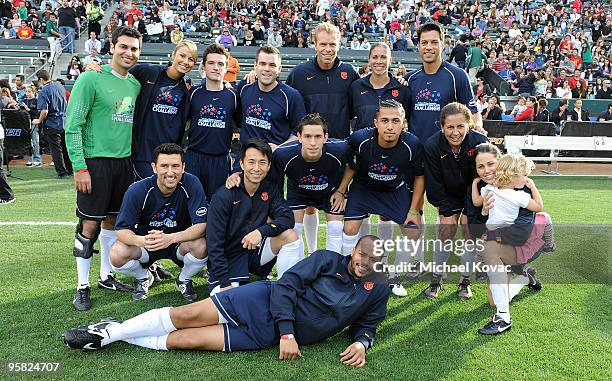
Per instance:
(433,290)
(87,337)
(6,202)
(496,326)
(186,290)
(464,291)
(82,301)
(141,287)
(534,284)
(112,283)
(159,272)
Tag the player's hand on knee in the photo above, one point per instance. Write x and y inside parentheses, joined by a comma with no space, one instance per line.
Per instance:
(337,201)
(233,181)
(289,349)
(251,240)
(354,355)
(82,182)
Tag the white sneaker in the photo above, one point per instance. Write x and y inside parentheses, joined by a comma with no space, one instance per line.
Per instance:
(36,164)
(399,290)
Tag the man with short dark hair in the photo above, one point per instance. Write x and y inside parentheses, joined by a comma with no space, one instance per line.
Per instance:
(67,22)
(606,116)
(605,92)
(52,106)
(579,113)
(162,217)
(99,139)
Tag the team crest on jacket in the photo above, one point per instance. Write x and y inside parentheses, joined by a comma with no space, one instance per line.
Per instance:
(368,286)
(343,75)
(394,93)
(264,196)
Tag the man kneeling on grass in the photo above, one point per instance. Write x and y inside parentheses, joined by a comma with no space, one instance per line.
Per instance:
(315,299)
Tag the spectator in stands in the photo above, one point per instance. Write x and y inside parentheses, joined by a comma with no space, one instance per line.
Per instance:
(558,81)
(30,105)
(233,68)
(530,112)
(514,31)
(459,53)
(606,116)
(275,39)
(482,103)
(365,44)
(606,91)
(519,107)
(6,9)
(8,32)
(400,43)
(578,85)
(560,114)
(567,64)
(92,43)
(167,17)
(579,113)
(525,84)
(301,43)
(53,35)
(36,26)
(20,87)
(591,93)
(7,101)
(258,32)
(249,38)
(74,69)
(94,14)
(564,91)
(25,32)
(492,111)
(475,62)
(226,39)
(566,45)
(543,114)
(131,11)
(481,88)
(355,44)
(67,23)
(508,73)
(92,57)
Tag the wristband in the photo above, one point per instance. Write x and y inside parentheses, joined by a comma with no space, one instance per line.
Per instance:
(83,171)
(414,212)
(288,337)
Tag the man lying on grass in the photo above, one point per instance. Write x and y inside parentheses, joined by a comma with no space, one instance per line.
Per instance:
(315,299)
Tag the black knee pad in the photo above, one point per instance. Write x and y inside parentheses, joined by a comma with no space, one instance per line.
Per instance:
(83,247)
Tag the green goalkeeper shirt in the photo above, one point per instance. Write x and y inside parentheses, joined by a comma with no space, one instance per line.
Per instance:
(99,116)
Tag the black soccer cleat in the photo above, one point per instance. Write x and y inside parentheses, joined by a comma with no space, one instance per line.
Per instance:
(496,326)
(141,287)
(112,283)
(186,290)
(534,284)
(435,286)
(464,291)
(159,272)
(82,301)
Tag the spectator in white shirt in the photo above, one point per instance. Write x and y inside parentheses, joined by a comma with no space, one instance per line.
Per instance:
(93,43)
(275,39)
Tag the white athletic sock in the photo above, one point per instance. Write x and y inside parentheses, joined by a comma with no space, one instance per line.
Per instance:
(385,229)
(334,236)
(107,238)
(516,285)
(152,342)
(311,230)
(348,243)
(132,268)
(191,266)
(180,256)
(298,230)
(365,227)
(499,291)
(83,271)
(144,256)
(155,323)
(287,257)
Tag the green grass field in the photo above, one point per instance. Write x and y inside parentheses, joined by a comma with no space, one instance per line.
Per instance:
(560,333)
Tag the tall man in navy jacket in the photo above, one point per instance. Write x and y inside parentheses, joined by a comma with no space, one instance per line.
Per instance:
(314,300)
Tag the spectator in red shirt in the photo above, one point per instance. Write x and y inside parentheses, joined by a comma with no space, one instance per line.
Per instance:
(530,112)
(566,45)
(129,14)
(24,31)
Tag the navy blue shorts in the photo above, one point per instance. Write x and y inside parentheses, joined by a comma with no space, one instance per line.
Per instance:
(212,170)
(393,205)
(142,170)
(297,201)
(240,266)
(250,324)
(167,253)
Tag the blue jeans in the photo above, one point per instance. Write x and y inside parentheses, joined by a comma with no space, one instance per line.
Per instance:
(35,158)
(68,41)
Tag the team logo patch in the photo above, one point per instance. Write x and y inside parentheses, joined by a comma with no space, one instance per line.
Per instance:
(201,212)
(264,196)
(343,75)
(395,93)
(368,286)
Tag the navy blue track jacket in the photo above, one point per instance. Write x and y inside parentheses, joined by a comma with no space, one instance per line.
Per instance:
(317,298)
(448,177)
(326,92)
(233,213)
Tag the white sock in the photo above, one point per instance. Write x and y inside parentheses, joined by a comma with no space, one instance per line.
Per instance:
(144,256)
(287,257)
(365,227)
(191,266)
(180,256)
(83,271)
(132,268)
(334,236)
(107,238)
(499,291)
(348,243)
(152,342)
(385,230)
(298,230)
(155,322)
(516,285)
(311,230)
